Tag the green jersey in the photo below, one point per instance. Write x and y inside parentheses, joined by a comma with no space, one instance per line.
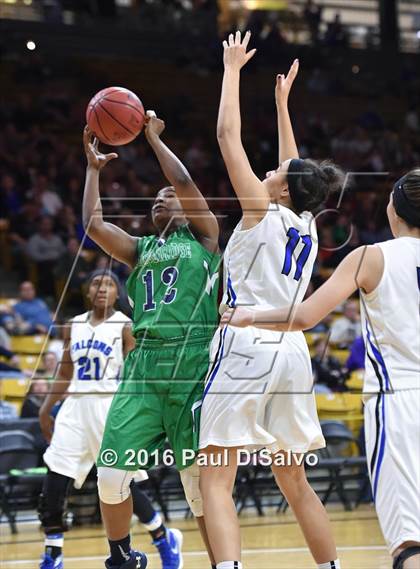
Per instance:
(173,288)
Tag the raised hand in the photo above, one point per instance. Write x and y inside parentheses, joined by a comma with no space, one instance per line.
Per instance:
(95,158)
(154,125)
(235,54)
(284,84)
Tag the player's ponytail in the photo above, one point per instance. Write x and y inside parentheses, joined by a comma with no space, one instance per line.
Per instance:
(406,197)
(310,183)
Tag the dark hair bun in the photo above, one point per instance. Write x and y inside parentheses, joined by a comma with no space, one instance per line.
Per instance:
(317,181)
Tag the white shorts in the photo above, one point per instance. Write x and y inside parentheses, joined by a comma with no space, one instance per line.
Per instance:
(78,432)
(392,430)
(259,392)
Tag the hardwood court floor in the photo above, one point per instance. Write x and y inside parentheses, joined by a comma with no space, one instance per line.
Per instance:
(270,542)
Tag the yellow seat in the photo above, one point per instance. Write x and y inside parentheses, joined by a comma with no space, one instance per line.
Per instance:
(345,407)
(14,388)
(29,344)
(355,381)
(341,355)
(29,362)
(17,402)
(8,302)
(311,337)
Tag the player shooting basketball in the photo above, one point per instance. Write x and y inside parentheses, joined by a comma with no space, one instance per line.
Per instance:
(173,291)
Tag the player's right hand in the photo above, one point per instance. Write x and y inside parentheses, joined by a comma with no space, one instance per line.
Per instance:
(47,425)
(234,50)
(154,125)
(240,317)
(284,84)
(94,156)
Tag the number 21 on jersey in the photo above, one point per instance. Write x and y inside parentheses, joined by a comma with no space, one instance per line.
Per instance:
(89,368)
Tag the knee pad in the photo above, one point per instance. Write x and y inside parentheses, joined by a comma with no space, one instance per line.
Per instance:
(404,555)
(190,478)
(52,504)
(113,484)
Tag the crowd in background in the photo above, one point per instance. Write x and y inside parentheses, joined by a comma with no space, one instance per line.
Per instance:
(42,168)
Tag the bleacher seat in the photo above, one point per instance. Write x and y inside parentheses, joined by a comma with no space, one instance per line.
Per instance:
(346,407)
(14,388)
(29,362)
(29,344)
(311,337)
(341,355)
(355,381)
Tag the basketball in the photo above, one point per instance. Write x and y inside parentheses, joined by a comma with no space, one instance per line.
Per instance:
(115,115)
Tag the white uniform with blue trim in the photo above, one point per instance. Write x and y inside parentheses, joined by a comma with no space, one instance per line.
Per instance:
(97,356)
(259,389)
(391,331)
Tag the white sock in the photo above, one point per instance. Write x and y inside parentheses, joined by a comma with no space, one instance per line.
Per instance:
(229,565)
(330,565)
(54,540)
(154,523)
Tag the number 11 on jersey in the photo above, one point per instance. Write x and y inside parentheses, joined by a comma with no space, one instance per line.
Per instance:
(294,239)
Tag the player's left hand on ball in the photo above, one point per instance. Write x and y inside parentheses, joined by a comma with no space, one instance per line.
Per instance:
(154,125)
(240,317)
(235,54)
(95,158)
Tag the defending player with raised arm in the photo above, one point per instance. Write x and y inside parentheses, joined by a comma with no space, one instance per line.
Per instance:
(252,398)
(173,293)
(387,276)
(95,344)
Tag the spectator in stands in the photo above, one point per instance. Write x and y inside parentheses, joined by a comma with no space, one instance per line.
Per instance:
(50,201)
(34,398)
(64,269)
(345,329)
(10,198)
(12,363)
(44,249)
(66,223)
(336,34)
(49,365)
(7,410)
(312,14)
(356,359)
(7,325)
(327,369)
(34,313)
(22,227)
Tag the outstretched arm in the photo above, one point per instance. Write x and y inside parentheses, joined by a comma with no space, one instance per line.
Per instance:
(57,389)
(362,268)
(202,221)
(287,143)
(251,192)
(112,239)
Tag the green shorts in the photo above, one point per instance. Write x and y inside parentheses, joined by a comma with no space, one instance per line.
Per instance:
(159,398)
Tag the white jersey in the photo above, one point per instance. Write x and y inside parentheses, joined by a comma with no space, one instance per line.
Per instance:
(97,353)
(270,265)
(391,320)
(259,388)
